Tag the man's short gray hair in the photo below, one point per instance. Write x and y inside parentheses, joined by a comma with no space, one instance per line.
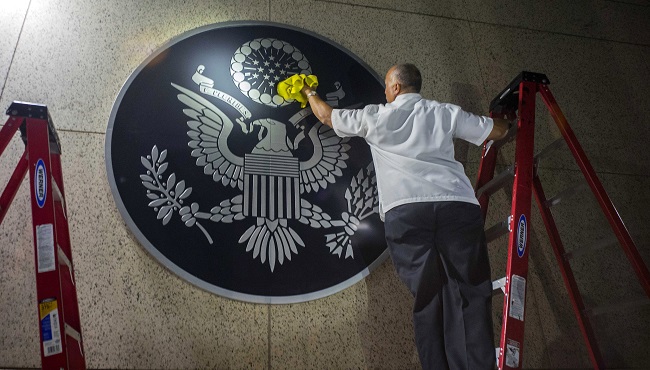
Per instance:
(409,76)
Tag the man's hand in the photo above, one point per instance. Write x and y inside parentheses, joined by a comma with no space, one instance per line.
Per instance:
(499,130)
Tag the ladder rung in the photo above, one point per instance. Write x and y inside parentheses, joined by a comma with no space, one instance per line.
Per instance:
(499,284)
(72,332)
(497,182)
(58,196)
(497,230)
(617,306)
(64,260)
(549,149)
(590,248)
(566,193)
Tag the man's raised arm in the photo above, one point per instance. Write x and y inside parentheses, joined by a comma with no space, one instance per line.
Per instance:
(499,130)
(321,109)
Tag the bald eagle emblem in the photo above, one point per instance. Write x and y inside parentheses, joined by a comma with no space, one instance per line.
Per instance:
(285,161)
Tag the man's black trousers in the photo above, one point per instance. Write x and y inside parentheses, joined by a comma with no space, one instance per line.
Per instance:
(440,253)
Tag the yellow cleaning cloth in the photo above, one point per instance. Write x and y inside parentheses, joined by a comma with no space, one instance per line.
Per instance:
(290,88)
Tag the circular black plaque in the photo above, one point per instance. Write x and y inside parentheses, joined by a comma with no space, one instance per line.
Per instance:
(235,189)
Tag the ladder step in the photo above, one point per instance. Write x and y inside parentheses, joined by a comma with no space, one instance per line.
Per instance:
(566,193)
(56,192)
(499,284)
(639,302)
(58,196)
(64,260)
(72,332)
(548,150)
(497,182)
(497,230)
(612,240)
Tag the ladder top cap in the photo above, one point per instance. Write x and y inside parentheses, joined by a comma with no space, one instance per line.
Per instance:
(25,109)
(507,100)
(37,111)
(532,77)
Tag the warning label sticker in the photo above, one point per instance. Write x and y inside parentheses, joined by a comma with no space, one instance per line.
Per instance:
(512,353)
(517,297)
(45,248)
(50,327)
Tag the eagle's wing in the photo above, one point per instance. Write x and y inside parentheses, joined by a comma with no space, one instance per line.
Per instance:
(209,130)
(327,161)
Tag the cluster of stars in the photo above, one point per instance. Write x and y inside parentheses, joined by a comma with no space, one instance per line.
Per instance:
(267,70)
(259,65)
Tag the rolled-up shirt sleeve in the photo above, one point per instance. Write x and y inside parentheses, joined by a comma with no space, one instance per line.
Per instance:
(349,122)
(472,127)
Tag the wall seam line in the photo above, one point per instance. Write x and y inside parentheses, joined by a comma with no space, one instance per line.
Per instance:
(485,23)
(13,55)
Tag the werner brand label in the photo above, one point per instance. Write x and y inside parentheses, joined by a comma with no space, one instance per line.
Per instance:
(522,235)
(40,183)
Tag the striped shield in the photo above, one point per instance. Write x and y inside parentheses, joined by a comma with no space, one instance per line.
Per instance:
(271,186)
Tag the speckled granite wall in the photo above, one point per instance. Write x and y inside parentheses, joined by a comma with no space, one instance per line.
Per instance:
(75,55)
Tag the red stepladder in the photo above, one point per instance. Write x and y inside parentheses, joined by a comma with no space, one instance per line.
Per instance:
(518,100)
(57,307)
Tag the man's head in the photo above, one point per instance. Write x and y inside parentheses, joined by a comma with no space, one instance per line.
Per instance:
(402,79)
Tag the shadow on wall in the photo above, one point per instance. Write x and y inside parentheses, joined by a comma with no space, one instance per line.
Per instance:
(603,276)
(386,330)
(563,345)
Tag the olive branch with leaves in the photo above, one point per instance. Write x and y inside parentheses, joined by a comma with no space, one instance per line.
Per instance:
(168,196)
(362,202)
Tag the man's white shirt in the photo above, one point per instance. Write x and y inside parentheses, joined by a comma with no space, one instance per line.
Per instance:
(411,140)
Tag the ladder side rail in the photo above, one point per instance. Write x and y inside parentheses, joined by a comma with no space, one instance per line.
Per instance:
(68,282)
(485,174)
(70,315)
(596,186)
(51,323)
(567,275)
(7,132)
(57,173)
(71,330)
(512,333)
(488,162)
(9,193)
(13,185)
